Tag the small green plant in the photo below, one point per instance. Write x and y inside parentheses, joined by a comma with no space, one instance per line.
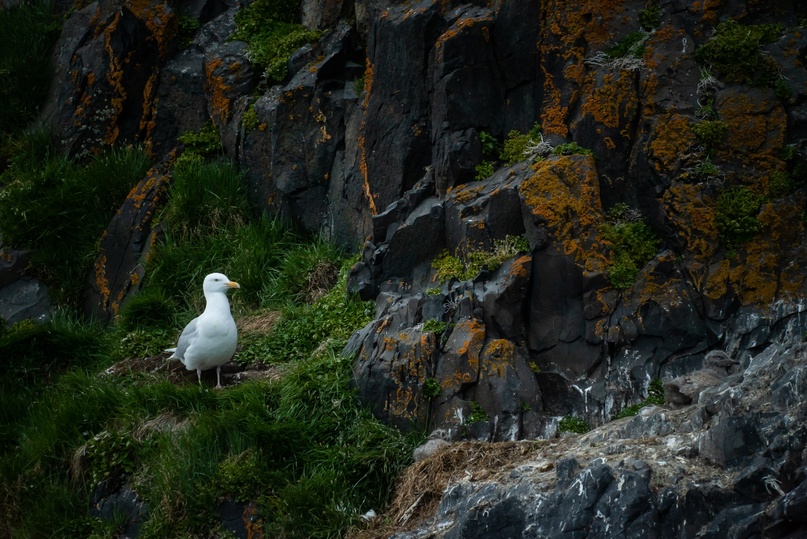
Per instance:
(631,45)
(736,215)
(431,388)
(250,119)
(525,407)
(655,397)
(705,168)
(710,133)
(484,170)
(272,30)
(650,17)
(734,50)
(573,424)
(433,291)
(490,146)
(450,267)
(434,326)
(534,367)
(781,184)
(187,26)
(111,455)
(358,85)
(633,243)
(478,414)
(204,142)
(515,146)
(572,148)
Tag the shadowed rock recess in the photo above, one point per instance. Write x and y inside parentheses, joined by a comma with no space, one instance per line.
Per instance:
(507,288)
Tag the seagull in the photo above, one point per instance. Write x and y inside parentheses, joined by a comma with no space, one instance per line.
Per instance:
(686,389)
(209,339)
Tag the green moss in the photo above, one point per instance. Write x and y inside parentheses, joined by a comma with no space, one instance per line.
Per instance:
(434,326)
(631,45)
(272,30)
(433,291)
(250,119)
(490,146)
(734,50)
(572,148)
(187,26)
(736,215)
(650,17)
(204,142)
(710,133)
(573,424)
(781,184)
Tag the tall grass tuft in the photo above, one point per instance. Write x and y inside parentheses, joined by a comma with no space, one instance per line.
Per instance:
(60,209)
(28,32)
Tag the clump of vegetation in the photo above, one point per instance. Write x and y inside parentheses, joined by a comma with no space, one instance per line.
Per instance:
(250,119)
(655,397)
(572,148)
(735,52)
(433,291)
(478,414)
(28,32)
(434,326)
(516,146)
(449,267)
(631,45)
(781,184)
(573,424)
(650,17)
(483,170)
(187,26)
(633,243)
(431,388)
(204,142)
(736,215)
(59,208)
(272,30)
(710,133)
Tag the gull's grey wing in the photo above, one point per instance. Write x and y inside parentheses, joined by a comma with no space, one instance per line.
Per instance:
(185,338)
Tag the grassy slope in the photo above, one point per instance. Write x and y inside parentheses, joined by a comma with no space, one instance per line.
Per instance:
(302,448)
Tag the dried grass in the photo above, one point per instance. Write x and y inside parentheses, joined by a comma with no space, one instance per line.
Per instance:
(421,485)
(262,322)
(320,281)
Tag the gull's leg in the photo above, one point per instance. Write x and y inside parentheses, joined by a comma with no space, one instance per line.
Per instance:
(218,377)
(199,375)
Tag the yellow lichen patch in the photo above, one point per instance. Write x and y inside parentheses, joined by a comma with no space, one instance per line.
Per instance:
(554,113)
(519,269)
(463,350)
(463,25)
(161,23)
(570,22)
(693,218)
(498,354)
(670,137)
(115,79)
(564,193)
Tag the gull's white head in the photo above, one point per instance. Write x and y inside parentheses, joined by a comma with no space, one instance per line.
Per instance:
(218,282)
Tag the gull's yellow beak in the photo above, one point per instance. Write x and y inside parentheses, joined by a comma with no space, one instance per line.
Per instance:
(233,284)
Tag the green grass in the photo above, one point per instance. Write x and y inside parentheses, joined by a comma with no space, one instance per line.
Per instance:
(573,424)
(60,208)
(28,33)
(449,267)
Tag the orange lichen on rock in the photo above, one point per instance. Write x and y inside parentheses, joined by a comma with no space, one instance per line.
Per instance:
(670,137)
(693,218)
(161,22)
(368,86)
(498,354)
(115,79)
(217,91)
(564,194)
(757,127)
(612,100)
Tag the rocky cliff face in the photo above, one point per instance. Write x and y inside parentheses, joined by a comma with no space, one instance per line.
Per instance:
(378,133)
